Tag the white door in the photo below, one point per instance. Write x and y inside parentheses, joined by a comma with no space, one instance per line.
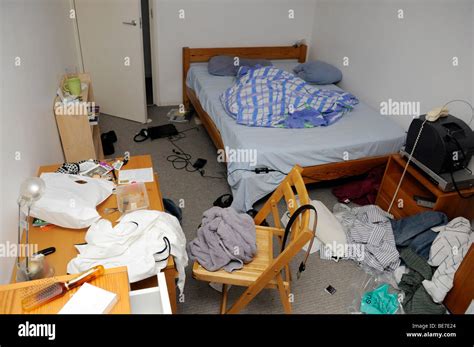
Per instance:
(111,42)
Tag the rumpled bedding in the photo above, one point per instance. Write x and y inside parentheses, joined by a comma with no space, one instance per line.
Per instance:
(271,97)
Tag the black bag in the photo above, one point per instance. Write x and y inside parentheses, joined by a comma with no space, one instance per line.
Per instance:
(108,139)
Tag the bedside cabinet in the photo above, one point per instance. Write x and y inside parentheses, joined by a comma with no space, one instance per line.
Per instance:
(415,183)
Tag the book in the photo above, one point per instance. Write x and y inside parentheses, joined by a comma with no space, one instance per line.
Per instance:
(90,299)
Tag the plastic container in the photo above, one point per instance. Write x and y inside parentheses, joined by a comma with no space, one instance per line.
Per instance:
(132,197)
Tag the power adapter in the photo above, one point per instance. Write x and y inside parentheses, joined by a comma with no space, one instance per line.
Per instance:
(199,163)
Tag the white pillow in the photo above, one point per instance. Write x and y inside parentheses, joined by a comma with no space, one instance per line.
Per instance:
(328,230)
(70,201)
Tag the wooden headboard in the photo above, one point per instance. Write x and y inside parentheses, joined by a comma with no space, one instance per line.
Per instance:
(199,55)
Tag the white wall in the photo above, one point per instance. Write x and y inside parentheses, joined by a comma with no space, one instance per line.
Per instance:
(406,59)
(41,34)
(220,23)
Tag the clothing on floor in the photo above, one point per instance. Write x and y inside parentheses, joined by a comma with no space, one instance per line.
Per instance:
(369,227)
(226,239)
(379,301)
(362,191)
(142,241)
(447,252)
(417,300)
(415,231)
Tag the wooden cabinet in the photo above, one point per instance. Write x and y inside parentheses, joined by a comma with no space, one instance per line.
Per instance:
(415,183)
(459,298)
(79,139)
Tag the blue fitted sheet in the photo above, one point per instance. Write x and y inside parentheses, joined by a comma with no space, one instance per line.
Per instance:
(360,133)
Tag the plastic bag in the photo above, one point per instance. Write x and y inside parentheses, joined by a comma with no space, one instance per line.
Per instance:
(375,283)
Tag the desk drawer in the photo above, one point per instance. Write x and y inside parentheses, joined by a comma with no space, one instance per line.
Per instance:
(151,300)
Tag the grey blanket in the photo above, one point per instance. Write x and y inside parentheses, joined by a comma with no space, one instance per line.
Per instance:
(226,239)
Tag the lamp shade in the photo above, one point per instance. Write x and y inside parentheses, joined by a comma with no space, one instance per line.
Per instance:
(31,190)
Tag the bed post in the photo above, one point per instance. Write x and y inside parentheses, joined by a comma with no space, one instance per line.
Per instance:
(186,65)
(303,51)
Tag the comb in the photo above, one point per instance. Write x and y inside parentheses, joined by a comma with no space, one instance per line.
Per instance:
(49,293)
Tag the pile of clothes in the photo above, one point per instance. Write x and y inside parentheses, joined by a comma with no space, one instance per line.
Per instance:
(423,251)
(142,241)
(225,240)
(431,262)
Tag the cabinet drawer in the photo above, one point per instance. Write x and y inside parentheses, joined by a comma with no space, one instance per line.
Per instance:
(151,300)
(409,206)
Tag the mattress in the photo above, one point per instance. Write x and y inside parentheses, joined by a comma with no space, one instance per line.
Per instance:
(360,133)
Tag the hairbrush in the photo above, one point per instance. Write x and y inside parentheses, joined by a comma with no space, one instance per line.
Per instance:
(58,289)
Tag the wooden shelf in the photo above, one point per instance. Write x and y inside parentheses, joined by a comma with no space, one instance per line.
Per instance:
(79,139)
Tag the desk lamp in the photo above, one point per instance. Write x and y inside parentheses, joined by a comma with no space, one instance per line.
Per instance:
(30,191)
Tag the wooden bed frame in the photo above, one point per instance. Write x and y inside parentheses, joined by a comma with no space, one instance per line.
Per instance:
(311,174)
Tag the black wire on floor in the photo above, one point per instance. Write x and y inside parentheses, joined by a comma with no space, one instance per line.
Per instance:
(181,160)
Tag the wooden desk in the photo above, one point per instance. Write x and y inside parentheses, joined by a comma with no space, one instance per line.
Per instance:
(64,239)
(114,280)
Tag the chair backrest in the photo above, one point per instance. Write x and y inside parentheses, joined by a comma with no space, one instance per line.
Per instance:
(301,233)
(293,183)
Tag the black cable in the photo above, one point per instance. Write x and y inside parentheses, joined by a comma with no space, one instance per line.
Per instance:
(259,171)
(457,189)
(455,140)
(182,160)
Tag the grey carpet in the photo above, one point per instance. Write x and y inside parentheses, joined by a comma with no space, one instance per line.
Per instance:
(198,193)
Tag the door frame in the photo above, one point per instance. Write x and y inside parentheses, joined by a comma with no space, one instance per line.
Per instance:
(77,39)
(153,47)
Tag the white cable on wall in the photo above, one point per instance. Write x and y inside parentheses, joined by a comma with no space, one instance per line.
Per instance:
(406,166)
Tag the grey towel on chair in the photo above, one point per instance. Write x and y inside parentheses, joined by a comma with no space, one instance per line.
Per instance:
(226,239)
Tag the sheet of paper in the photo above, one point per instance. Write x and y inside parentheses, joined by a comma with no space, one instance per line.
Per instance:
(135,175)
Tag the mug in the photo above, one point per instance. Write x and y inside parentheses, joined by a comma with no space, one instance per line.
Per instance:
(73,86)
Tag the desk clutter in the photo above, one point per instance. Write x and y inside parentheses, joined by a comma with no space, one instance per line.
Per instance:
(137,234)
(142,240)
(47,292)
(72,193)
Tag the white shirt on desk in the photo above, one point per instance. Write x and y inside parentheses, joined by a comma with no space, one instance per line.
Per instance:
(142,241)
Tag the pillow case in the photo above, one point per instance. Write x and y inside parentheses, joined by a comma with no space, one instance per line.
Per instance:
(223,65)
(70,201)
(318,72)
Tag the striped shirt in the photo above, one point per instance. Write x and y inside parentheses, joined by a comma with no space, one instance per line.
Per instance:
(370,226)
(447,252)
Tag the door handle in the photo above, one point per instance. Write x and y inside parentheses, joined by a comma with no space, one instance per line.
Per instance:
(133,22)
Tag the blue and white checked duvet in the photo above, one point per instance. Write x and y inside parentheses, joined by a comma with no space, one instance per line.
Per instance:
(271,97)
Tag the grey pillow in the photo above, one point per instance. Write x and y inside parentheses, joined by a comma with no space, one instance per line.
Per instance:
(318,72)
(223,65)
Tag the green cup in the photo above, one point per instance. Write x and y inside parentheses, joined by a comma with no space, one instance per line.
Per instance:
(73,86)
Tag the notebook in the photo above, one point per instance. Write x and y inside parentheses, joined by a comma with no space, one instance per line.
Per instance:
(90,299)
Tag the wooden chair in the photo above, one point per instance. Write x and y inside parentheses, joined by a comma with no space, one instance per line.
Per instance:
(265,271)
